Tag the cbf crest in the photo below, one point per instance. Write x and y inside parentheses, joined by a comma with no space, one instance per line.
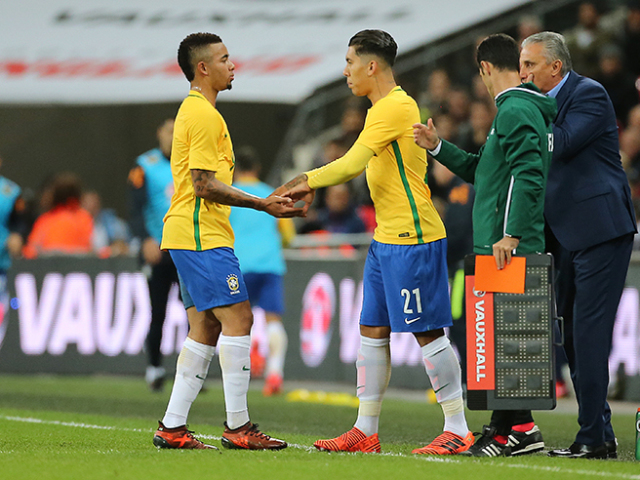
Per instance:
(234,284)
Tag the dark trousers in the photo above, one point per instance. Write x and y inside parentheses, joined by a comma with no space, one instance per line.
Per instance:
(163,275)
(589,286)
(503,420)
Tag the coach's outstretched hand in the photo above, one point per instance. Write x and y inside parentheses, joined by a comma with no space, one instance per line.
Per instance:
(426,136)
(297,190)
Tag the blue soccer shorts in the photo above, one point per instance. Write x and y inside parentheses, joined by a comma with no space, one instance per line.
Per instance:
(406,287)
(184,294)
(212,277)
(266,291)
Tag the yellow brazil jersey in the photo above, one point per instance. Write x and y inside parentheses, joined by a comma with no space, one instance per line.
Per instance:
(201,141)
(396,174)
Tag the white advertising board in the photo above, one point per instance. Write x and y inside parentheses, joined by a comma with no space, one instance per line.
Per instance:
(100,52)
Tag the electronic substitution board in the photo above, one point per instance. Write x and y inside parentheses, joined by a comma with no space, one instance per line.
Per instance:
(510,341)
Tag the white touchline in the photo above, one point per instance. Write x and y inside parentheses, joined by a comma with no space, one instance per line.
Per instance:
(425,458)
(121,429)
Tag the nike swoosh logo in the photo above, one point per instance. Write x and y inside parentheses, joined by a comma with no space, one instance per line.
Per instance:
(436,391)
(409,322)
(245,369)
(201,378)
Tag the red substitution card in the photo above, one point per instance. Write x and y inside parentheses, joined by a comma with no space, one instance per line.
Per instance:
(508,280)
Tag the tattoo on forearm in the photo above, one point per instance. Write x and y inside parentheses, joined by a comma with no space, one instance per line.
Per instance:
(296,181)
(208,187)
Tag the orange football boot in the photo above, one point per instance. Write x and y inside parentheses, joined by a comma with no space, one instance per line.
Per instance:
(353,441)
(178,437)
(248,437)
(447,443)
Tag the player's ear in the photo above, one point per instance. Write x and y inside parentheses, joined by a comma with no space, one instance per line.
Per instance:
(372,67)
(202,68)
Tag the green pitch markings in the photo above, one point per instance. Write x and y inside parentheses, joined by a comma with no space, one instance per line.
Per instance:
(61,428)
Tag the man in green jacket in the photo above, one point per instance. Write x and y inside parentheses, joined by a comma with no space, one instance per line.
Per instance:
(509,174)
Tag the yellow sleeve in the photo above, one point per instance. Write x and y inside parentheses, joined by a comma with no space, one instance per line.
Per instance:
(287,231)
(386,122)
(205,135)
(341,170)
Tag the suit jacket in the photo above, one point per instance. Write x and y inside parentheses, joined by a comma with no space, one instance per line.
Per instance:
(588,200)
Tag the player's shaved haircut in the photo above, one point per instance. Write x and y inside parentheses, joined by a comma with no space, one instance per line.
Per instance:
(375,42)
(193,50)
(501,51)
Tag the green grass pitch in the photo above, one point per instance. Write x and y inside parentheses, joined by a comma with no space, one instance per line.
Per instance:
(101,428)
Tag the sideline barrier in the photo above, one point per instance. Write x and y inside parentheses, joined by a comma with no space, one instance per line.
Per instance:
(82,315)
(86,315)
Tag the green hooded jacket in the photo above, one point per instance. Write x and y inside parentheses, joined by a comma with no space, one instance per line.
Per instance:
(509,172)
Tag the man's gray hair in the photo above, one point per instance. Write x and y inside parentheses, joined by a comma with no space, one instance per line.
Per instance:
(555,48)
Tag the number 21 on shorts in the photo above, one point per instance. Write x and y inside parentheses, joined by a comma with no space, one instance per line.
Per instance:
(408,303)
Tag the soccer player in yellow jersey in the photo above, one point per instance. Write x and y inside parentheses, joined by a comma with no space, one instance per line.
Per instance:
(405,275)
(199,238)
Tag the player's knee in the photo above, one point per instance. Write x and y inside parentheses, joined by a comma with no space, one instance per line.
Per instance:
(238,320)
(375,332)
(424,338)
(245,322)
(212,331)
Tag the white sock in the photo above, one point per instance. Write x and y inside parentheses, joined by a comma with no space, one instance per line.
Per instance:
(277,336)
(192,368)
(444,373)
(235,363)
(374,370)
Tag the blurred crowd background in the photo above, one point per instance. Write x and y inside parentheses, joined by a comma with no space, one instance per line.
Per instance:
(604,40)
(604,44)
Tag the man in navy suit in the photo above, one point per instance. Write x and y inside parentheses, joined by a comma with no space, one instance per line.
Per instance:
(591,222)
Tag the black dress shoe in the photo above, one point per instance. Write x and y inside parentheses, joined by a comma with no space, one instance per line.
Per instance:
(579,450)
(612,448)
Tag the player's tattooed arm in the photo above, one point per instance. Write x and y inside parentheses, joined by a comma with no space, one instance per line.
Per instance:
(295,188)
(296,181)
(208,187)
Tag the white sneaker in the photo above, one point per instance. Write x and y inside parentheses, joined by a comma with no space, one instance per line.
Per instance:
(522,443)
